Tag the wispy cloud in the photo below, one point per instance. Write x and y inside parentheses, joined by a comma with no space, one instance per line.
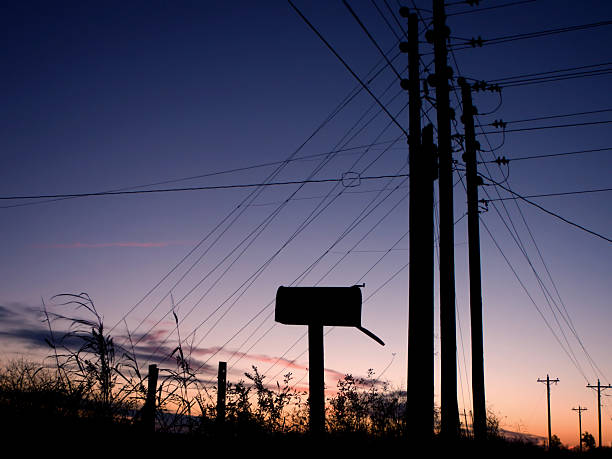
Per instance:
(99,245)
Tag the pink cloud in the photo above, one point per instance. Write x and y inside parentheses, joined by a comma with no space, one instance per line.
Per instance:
(81,245)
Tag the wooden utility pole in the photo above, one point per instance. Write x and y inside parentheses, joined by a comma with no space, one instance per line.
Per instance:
(599,388)
(448,332)
(221,389)
(148,415)
(420,401)
(548,382)
(580,409)
(473,181)
(316,380)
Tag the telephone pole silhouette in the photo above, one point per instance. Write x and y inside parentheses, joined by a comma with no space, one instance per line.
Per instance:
(473,181)
(448,332)
(548,382)
(580,409)
(599,388)
(420,394)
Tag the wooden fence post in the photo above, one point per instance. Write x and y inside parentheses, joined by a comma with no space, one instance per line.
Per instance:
(221,389)
(148,411)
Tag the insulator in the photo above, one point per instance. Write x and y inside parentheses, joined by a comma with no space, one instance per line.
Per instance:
(404,47)
(405,84)
(404,11)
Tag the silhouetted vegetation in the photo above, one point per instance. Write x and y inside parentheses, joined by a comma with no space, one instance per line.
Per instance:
(94,390)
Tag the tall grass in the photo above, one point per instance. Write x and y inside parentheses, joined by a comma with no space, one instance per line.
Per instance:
(90,377)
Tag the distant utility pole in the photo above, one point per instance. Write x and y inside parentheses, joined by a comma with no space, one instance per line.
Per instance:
(448,332)
(420,398)
(548,382)
(580,409)
(473,181)
(599,388)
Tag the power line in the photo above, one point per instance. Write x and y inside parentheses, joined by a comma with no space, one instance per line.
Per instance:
(200,188)
(553,79)
(549,117)
(478,10)
(313,215)
(384,18)
(542,286)
(330,47)
(254,276)
(539,128)
(547,195)
(352,226)
(267,221)
(529,35)
(529,75)
(504,160)
(254,194)
(369,35)
(523,198)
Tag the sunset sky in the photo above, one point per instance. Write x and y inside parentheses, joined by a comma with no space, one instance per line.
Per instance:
(147,95)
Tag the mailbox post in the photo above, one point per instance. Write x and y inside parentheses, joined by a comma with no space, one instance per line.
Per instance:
(317,307)
(316,378)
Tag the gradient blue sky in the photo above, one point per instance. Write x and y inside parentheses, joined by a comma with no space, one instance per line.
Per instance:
(120,94)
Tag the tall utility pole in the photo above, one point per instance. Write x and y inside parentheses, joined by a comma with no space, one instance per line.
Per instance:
(448,332)
(580,409)
(548,382)
(420,412)
(473,180)
(599,388)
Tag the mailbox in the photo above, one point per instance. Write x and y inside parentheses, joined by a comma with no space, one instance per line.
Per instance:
(318,307)
(327,306)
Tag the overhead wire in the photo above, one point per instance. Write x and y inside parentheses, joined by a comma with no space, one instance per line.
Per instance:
(548,195)
(502,160)
(255,193)
(537,34)
(256,274)
(521,246)
(194,188)
(549,117)
(369,35)
(366,88)
(540,128)
(315,209)
(328,202)
(384,18)
(554,214)
(351,71)
(487,8)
